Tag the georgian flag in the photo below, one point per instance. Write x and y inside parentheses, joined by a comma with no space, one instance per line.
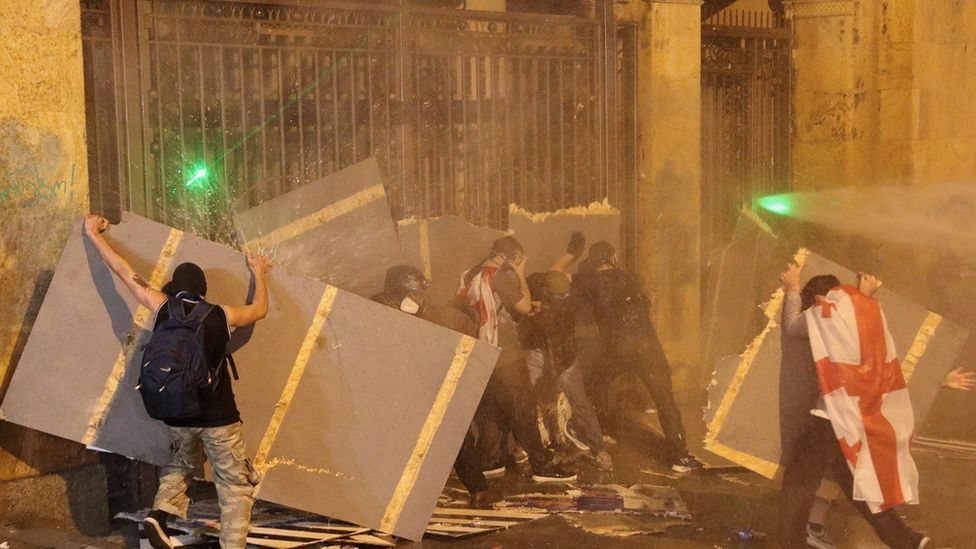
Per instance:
(479,293)
(865,396)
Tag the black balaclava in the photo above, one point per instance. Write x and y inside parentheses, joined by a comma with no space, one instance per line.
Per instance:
(600,253)
(189,278)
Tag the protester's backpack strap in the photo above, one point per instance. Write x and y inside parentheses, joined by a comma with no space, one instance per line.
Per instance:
(233,366)
(198,314)
(175,308)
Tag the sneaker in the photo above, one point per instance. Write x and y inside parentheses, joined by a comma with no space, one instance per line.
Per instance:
(154,527)
(817,537)
(520,456)
(485,499)
(570,435)
(686,464)
(603,461)
(553,473)
(494,472)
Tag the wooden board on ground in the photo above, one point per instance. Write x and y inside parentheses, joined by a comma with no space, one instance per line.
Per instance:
(744,422)
(338,229)
(462,523)
(353,410)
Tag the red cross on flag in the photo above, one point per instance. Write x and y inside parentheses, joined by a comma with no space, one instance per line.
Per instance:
(865,396)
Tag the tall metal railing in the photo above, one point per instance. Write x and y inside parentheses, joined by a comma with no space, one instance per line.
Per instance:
(746,101)
(465,111)
(102,123)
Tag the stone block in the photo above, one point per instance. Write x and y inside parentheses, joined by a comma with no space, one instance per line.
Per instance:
(939,21)
(822,117)
(937,65)
(818,166)
(894,163)
(860,162)
(865,119)
(26,452)
(941,113)
(897,22)
(813,32)
(944,161)
(824,69)
(897,114)
(967,19)
(895,66)
(75,498)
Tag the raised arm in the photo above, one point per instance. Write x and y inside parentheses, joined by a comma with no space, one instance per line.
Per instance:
(794,323)
(577,243)
(258,309)
(524,304)
(149,297)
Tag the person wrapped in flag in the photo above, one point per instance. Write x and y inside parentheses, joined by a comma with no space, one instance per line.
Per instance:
(862,420)
(864,395)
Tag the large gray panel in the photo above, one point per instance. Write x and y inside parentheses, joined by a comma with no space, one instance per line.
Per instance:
(367,390)
(752,423)
(381,393)
(350,250)
(86,316)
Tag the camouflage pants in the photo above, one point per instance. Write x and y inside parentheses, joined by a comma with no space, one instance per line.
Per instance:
(233,474)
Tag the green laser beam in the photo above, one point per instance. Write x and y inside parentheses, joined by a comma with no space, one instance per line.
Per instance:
(328,72)
(199,175)
(781,204)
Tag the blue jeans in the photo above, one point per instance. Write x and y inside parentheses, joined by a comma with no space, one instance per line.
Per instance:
(570,382)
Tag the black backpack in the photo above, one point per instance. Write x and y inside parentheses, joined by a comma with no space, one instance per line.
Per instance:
(174,363)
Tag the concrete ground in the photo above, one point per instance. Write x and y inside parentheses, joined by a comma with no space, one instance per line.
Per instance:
(721,501)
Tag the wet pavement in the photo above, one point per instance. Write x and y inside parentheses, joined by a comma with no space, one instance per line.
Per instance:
(721,501)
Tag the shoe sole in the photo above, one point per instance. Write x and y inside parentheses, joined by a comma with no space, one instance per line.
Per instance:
(814,541)
(494,473)
(539,478)
(157,537)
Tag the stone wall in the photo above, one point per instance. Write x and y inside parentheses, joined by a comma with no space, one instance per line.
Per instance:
(944,90)
(43,191)
(880,95)
(669,174)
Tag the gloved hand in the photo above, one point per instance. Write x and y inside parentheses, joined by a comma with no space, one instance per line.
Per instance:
(577,243)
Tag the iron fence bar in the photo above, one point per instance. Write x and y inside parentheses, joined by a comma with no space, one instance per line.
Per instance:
(203,134)
(262,98)
(222,71)
(303,174)
(279,71)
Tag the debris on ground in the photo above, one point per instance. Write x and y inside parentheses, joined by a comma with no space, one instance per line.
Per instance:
(610,509)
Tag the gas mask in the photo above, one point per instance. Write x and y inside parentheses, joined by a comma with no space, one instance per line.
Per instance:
(409,306)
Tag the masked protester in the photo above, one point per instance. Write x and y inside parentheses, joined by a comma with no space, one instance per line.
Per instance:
(548,337)
(497,296)
(214,429)
(623,312)
(405,288)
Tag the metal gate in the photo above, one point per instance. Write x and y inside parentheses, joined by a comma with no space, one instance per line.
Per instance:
(746,101)
(200,108)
